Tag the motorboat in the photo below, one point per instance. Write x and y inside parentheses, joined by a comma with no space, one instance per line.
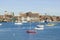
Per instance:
(18,23)
(39,27)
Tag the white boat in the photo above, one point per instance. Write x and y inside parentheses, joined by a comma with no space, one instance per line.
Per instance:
(18,23)
(39,27)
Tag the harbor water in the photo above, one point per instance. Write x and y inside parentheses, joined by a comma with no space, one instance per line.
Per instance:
(11,31)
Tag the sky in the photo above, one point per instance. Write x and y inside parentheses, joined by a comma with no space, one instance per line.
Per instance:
(51,7)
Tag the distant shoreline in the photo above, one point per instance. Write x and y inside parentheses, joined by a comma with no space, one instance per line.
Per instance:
(28,16)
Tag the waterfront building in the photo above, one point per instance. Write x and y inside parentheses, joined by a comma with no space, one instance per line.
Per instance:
(7,16)
(23,17)
(28,16)
(33,16)
(58,18)
(1,18)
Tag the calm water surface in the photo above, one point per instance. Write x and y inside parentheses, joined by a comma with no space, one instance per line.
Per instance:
(10,31)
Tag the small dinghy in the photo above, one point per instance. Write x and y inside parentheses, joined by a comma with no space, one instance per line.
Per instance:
(31,31)
(50,24)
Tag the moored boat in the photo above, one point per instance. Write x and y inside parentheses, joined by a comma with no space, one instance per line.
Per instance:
(18,23)
(31,31)
(50,24)
(39,27)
